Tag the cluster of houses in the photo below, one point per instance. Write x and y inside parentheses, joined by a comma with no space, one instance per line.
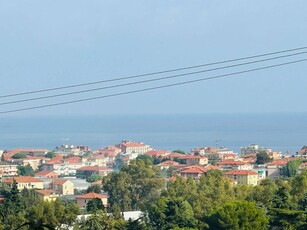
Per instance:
(60,175)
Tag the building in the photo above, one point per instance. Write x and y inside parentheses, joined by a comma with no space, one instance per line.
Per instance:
(46,195)
(229,165)
(82,200)
(196,171)
(27,182)
(254,149)
(246,177)
(194,160)
(62,186)
(133,149)
(46,174)
(8,170)
(87,171)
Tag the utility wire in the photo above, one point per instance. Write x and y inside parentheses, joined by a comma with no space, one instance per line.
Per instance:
(150,80)
(152,73)
(153,88)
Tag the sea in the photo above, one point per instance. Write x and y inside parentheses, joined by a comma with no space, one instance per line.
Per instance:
(285,132)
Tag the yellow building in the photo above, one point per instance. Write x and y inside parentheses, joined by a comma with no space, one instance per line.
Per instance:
(248,177)
(47,195)
(24,182)
(62,186)
(82,200)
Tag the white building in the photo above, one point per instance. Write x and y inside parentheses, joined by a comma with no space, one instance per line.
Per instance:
(254,149)
(133,149)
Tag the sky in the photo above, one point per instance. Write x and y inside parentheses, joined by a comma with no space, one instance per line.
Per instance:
(45,44)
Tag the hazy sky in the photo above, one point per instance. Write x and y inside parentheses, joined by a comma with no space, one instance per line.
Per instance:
(56,43)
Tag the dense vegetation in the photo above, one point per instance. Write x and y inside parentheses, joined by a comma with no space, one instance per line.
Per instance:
(210,202)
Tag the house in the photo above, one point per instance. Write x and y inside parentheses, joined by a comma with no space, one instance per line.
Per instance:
(62,186)
(253,148)
(302,153)
(229,165)
(246,177)
(8,170)
(133,149)
(275,167)
(157,153)
(82,200)
(46,195)
(27,182)
(46,174)
(196,171)
(97,160)
(87,171)
(168,164)
(194,160)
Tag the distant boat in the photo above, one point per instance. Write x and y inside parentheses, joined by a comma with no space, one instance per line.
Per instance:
(65,139)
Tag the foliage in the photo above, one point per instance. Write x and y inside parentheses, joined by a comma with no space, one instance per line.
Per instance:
(25,170)
(19,156)
(262,158)
(291,168)
(237,215)
(93,178)
(94,205)
(50,155)
(136,184)
(99,220)
(145,158)
(94,188)
(169,213)
(179,151)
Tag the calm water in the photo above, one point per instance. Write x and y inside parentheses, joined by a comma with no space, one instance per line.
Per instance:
(282,132)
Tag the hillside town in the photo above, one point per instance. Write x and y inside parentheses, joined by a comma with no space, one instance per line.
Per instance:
(68,170)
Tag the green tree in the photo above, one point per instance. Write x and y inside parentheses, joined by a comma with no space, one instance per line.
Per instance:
(169,213)
(145,158)
(19,156)
(262,158)
(94,188)
(291,169)
(50,155)
(179,151)
(25,170)
(94,205)
(98,221)
(237,215)
(93,178)
(134,185)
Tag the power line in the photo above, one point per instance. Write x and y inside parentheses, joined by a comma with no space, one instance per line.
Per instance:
(152,73)
(150,80)
(153,88)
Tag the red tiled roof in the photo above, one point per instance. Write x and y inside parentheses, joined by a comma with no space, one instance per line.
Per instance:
(231,162)
(241,172)
(198,169)
(156,152)
(45,192)
(93,168)
(191,157)
(44,173)
(58,181)
(91,195)
(168,163)
(282,161)
(21,179)
(73,160)
(132,144)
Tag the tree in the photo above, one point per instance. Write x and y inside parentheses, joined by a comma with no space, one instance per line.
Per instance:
(25,170)
(262,158)
(99,220)
(94,188)
(93,178)
(179,151)
(50,155)
(291,169)
(169,213)
(145,158)
(237,215)
(19,156)
(94,205)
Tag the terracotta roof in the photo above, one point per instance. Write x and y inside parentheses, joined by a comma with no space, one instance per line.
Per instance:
(282,161)
(93,168)
(45,192)
(133,144)
(91,195)
(168,163)
(241,172)
(21,179)
(231,162)
(44,173)
(156,152)
(58,181)
(99,182)
(191,157)
(73,160)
